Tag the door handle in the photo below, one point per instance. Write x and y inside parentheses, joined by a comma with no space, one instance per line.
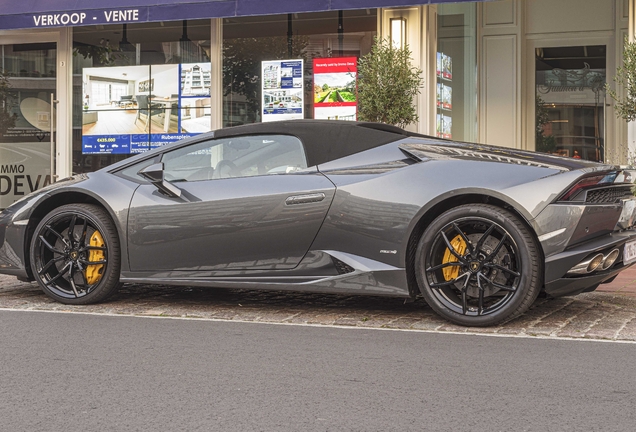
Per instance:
(304,199)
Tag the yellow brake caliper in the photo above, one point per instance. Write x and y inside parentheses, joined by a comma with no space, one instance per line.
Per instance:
(94,272)
(451,272)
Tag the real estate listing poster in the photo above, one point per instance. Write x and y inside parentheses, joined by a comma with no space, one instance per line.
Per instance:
(447,97)
(447,67)
(282,88)
(335,88)
(447,127)
(444,95)
(132,109)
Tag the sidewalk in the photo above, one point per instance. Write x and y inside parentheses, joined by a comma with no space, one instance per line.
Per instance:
(624,284)
(608,313)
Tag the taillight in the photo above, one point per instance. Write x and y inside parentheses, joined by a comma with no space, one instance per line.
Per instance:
(586,183)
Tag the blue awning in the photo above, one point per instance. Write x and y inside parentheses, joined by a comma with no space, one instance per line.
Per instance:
(20,14)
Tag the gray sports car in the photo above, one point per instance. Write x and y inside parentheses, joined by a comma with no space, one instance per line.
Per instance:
(333,207)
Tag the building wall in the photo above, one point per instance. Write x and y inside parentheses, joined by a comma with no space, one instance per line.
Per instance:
(500,65)
(509,32)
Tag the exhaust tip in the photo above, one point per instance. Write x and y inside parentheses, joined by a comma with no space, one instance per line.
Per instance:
(588,265)
(610,259)
(595,263)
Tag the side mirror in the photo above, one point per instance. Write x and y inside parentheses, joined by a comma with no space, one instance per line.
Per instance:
(154,173)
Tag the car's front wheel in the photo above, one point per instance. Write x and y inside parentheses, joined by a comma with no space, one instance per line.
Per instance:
(75,254)
(478,265)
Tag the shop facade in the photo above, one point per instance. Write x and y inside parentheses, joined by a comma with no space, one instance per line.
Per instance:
(83,89)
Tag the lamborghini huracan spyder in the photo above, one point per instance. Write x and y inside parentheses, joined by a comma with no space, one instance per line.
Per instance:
(332,207)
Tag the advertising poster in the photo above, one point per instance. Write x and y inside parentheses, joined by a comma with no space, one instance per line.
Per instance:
(132,109)
(447,97)
(447,67)
(444,95)
(335,88)
(282,88)
(447,127)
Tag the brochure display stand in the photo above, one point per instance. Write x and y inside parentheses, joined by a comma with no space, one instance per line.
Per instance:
(444,96)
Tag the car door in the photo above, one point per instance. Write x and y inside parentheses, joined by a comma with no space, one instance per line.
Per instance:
(245,203)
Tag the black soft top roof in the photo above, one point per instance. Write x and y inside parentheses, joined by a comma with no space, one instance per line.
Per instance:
(325,140)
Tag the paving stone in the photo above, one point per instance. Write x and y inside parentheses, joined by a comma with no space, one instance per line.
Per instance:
(403,323)
(378,321)
(434,323)
(581,324)
(629,331)
(452,328)
(352,319)
(557,320)
(602,314)
(610,325)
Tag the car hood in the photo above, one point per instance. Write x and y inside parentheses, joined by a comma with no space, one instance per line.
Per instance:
(426,149)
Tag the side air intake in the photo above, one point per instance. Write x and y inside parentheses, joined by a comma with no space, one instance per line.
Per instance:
(342,267)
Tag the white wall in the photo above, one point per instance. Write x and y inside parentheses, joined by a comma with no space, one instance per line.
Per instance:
(562,16)
(509,30)
(500,71)
(166,80)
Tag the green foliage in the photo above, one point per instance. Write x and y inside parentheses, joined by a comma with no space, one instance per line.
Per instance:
(7,120)
(387,84)
(546,144)
(102,54)
(626,79)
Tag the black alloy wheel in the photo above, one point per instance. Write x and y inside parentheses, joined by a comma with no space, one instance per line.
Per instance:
(75,254)
(478,265)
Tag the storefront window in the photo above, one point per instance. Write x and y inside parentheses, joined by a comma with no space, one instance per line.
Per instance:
(27,84)
(253,48)
(457,71)
(136,87)
(570,99)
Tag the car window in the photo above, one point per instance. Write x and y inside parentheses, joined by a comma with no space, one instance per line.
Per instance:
(244,156)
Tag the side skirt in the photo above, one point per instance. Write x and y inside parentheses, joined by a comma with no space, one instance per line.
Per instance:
(387,283)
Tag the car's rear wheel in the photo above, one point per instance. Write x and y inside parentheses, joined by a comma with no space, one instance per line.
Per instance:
(75,254)
(478,265)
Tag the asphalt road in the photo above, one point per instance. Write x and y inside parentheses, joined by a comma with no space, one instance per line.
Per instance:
(86,372)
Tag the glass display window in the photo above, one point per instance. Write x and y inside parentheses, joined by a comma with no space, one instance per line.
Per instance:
(456,71)
(249,93)
(570,101)
(136,87)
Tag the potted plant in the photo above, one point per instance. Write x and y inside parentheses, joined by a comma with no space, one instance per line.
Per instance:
(625,101)
(387,85)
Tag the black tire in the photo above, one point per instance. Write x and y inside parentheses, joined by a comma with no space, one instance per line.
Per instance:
(478,265)
(61,262)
